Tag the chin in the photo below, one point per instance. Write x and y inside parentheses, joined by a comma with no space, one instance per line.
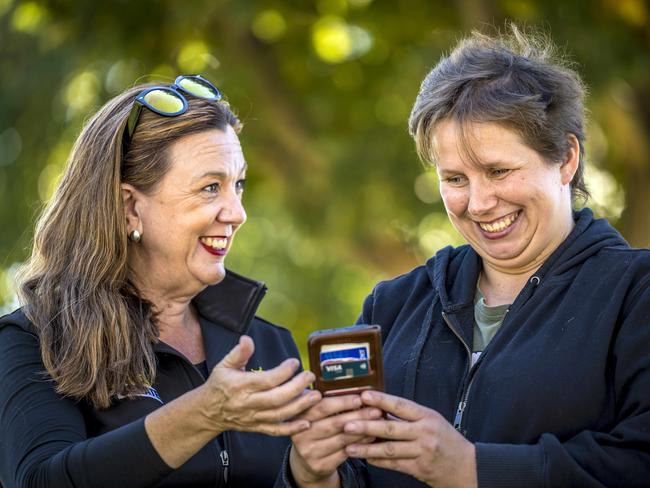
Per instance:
(215,276)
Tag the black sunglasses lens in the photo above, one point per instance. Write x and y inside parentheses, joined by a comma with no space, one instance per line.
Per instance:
(199,88)
(164,101)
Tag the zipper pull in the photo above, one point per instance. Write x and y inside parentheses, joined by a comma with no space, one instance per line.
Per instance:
(459,414)
(225,461)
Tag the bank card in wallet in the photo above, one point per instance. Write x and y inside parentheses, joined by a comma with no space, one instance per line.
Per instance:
(347,360)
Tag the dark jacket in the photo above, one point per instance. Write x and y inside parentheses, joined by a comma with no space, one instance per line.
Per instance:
(560,396)
(48,440)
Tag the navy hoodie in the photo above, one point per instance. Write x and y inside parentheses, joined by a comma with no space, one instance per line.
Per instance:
(560,396)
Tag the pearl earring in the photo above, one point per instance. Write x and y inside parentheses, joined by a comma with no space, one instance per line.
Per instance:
(135,236)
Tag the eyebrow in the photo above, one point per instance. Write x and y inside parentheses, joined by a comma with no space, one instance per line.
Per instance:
(218,174)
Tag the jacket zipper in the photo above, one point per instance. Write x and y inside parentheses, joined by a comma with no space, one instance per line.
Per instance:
(462,404)
(225,462)
(463,397)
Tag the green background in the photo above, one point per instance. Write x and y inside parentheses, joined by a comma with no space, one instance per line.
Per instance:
(336,197)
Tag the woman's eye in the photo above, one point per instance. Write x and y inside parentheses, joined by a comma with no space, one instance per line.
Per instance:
(240,185)
(213,188)
(498,172)
(455,180)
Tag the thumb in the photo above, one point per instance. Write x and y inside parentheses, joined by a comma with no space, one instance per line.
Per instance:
(238,355)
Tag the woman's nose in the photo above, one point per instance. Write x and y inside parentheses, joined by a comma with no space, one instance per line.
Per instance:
(482,198)
(232,211)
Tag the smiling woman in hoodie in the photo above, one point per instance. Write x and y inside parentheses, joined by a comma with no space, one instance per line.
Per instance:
(522,358)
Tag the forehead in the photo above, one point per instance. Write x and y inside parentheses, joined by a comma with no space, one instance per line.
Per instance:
(476,143)
(213,150)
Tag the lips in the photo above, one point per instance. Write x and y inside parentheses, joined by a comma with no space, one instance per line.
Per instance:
(216,245)
(500,227)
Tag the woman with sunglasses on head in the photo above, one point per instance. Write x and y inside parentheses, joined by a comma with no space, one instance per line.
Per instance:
(522,358)
(130,362)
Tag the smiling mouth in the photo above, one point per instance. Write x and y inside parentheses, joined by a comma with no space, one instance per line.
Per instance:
(215,243)
(499,225)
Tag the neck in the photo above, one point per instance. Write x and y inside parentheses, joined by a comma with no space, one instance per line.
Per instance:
(173,311)
(500,288)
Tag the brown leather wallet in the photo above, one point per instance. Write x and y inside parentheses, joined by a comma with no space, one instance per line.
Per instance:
(346,360)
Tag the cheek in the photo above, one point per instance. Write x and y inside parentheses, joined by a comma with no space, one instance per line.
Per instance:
(455,201)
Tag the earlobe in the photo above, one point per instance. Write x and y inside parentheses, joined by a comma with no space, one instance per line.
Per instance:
(572,161)
(130,204)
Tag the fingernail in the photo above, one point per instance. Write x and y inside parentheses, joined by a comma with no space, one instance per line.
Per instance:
(351,428)
(352,450)
(309,376)
(314,396)
(368,395)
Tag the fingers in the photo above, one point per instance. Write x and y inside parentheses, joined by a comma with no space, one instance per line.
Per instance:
(239,355)
(289,410)
(265,380)
(333,425)
(280,395)
(384,450)
(317,449)
(282,429)
(400,407)
(332,405)
(383,429)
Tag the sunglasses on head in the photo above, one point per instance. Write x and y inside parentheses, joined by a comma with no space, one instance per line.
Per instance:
(169,100)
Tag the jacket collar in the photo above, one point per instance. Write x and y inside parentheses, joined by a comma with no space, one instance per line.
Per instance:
(231,303)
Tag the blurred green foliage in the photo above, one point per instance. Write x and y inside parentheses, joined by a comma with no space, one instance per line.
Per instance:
(337,199)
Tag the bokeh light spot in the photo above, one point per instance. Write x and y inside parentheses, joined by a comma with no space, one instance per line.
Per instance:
(607,196)
(81,92)
(435,232)
(269,25)
(48,180)
(426,187)
(29,17)
(335,41)
(194,57)
(634,12)
(122,75)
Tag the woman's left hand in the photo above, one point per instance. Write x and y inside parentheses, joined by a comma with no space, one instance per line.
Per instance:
(420,443)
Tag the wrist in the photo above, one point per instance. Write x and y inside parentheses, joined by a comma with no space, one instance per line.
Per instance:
(306,478)
(208,409)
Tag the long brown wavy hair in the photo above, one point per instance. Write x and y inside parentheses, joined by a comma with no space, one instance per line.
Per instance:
(96,333)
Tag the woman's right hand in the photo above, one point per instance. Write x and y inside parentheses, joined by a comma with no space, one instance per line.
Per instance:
(316,453)
(257,401)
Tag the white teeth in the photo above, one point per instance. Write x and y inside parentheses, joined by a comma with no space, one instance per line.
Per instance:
(499,225)
(215,243)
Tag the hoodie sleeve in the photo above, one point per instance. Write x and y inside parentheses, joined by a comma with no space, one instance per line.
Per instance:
(43,438)
(619,456)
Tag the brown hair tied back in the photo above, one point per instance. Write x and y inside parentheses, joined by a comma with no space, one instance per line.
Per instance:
(96,333)
(518,81)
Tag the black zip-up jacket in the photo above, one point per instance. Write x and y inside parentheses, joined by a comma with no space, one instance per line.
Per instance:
(560,396)
(47,440)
